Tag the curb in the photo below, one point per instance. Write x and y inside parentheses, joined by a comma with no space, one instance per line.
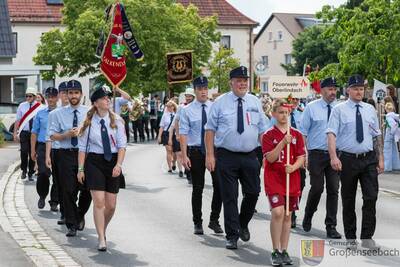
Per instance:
(16,219)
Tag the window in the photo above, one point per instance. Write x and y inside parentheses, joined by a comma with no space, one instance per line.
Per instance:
(264,87)
(20,85)
(288,59)
(264,60)
(270,36)
(280,36)
(55,2)
(15,39)
(226,41)
(92,83)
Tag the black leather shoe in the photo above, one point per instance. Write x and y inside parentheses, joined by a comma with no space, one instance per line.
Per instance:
(30,178)
(231,244)
(81,225)
(213,225)
(41,203)
(102,246)
(369,244)
(180,174)
(23,175)
(53,207)
(198,229)
(307,222)
(61,221)
(294,217)
(71,232)
(173,168)
(332,233)
(244,234)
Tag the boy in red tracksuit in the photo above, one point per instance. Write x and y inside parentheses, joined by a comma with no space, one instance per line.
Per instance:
(274,144)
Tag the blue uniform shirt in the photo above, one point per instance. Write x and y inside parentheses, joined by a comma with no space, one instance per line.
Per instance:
(62,122)
(298,116)
(314,124)
(117,136)
(342,124)
(222,120)
(190,122)
(40,124)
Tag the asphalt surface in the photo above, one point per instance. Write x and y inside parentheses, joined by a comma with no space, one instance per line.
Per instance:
(153,226)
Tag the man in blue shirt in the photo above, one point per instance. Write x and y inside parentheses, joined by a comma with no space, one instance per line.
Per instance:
(52,151)
(191,128)
(352,128)
(38,136)
(65,128)
(313,126)
(235,125)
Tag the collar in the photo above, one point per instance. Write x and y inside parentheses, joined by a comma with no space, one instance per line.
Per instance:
(198,103)
(235,97)
(353,104)
(97,118)
(326,104)
(71,109)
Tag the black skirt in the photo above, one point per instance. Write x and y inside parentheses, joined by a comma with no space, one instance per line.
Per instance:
(98,173)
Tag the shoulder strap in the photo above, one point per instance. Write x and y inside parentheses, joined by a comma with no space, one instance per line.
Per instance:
(170,123)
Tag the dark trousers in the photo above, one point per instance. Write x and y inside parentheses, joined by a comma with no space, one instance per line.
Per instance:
(55,165)
(73,213)
(198,169)
(320,172)
(126,120)
(361,170)
(233,167)
(43,179)
(27,164)
(153,128)
(137,127)
(145,127)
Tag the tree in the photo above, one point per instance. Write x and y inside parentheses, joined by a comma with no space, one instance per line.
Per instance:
(220,66)
(369,36)
(160,26)
(312,47)
(353,3)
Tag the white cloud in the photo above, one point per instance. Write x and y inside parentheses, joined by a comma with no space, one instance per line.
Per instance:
(260,10)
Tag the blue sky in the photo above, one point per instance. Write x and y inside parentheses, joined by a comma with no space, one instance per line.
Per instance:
(260,10)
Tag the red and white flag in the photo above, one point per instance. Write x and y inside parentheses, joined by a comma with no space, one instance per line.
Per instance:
(30,114)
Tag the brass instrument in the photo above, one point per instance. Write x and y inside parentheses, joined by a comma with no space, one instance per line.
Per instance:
(137,109)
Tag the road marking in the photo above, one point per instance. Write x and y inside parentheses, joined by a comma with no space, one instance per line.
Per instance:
(16,219)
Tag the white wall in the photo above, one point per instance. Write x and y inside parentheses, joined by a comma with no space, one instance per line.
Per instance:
(28,41)
(239,43)
(274,50)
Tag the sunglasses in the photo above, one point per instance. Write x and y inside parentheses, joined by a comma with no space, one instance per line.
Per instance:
(28,96)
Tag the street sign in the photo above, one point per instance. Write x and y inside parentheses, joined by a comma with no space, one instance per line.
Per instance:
(283,86)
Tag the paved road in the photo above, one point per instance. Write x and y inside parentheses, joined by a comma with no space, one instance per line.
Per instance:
(152,225)
(10,253)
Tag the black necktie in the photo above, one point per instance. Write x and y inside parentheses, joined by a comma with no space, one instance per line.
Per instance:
(106,141)
(240,123)
(329,111)
(31,120)
(74,140)
(203,122)
(359,125)
(292,120)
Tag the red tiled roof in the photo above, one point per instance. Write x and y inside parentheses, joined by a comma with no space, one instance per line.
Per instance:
(226,13)
(34,11)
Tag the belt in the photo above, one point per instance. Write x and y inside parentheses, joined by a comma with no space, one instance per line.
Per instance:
(239,153)
(41,143)
(357,155)
(320,151)
(194,147)
(69,149)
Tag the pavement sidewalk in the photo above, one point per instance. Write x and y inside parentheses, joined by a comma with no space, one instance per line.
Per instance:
(10,252)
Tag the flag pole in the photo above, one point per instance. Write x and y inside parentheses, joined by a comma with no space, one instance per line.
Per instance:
(287,163)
